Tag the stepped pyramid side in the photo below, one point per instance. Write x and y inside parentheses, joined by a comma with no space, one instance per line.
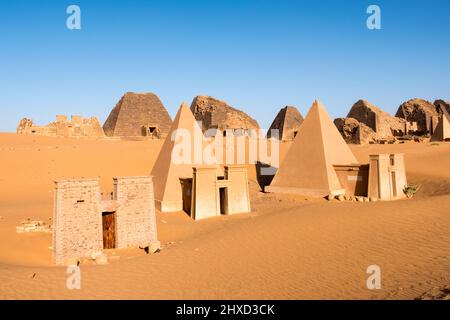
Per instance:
(287,121)
(138,114)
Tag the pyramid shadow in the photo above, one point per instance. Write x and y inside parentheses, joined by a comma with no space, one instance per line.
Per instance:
(264,174)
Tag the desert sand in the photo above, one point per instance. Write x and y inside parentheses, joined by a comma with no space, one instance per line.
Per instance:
(288,247)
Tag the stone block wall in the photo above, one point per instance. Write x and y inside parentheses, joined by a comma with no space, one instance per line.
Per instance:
(205,202)
(387,177)
(77,229)
(135,217)
(78,127)
(238,193)
(135,113)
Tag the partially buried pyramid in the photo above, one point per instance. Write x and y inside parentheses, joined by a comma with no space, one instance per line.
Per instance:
(308,166)
(442,131)
(167,170)
(138,115)
(287,122)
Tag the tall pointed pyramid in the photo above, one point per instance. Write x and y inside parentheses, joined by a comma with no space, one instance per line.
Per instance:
(442,131)
(287,121)
(168,168)
(308,166)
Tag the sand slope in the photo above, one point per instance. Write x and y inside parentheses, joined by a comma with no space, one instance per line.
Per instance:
(288,247)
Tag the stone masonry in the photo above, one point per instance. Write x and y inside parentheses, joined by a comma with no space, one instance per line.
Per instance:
(78,226)
(217,114)
(77,220)
(136,222)
(138,115)
(77,127)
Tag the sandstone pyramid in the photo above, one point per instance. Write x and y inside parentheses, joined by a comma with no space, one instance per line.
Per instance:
(442,104)
(167,171)
(308,166)
(442,131)
(355,132)
(217,114)
(137,115)
(378,120)
(421,111)
(287,121)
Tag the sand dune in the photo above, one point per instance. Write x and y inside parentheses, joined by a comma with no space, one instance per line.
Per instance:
(288,247)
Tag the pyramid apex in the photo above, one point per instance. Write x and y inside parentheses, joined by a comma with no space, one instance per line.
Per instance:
(317,104)
(184,105)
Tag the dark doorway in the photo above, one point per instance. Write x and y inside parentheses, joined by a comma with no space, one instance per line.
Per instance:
(151,130)
(109,229)
(223,200)
(186,189)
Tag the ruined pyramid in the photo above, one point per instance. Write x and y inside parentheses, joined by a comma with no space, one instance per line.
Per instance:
(287,121)
(308,166)
(442,131)
(168,168)
(137,115)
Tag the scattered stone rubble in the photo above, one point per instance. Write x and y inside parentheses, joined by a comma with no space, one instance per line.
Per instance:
(437,293)
(350,198)
(33,226)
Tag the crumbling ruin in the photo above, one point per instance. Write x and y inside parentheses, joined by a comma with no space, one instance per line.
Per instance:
(33,226)
(217,114)
(85,225)
(287,122)
(381,122)
(138,115)
(420,114)
(78,127)
(442,105)
(355,132)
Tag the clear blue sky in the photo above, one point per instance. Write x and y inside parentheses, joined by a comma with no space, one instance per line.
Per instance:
(257,55)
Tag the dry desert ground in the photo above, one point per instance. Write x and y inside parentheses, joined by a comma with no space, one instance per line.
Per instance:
(286,248)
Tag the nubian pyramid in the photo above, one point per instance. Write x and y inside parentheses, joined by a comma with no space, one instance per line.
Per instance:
(287,121)
(442,131)
(138,114)
(167,171)
(308,166)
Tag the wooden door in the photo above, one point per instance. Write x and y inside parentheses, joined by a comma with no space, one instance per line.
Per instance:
(109,228)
